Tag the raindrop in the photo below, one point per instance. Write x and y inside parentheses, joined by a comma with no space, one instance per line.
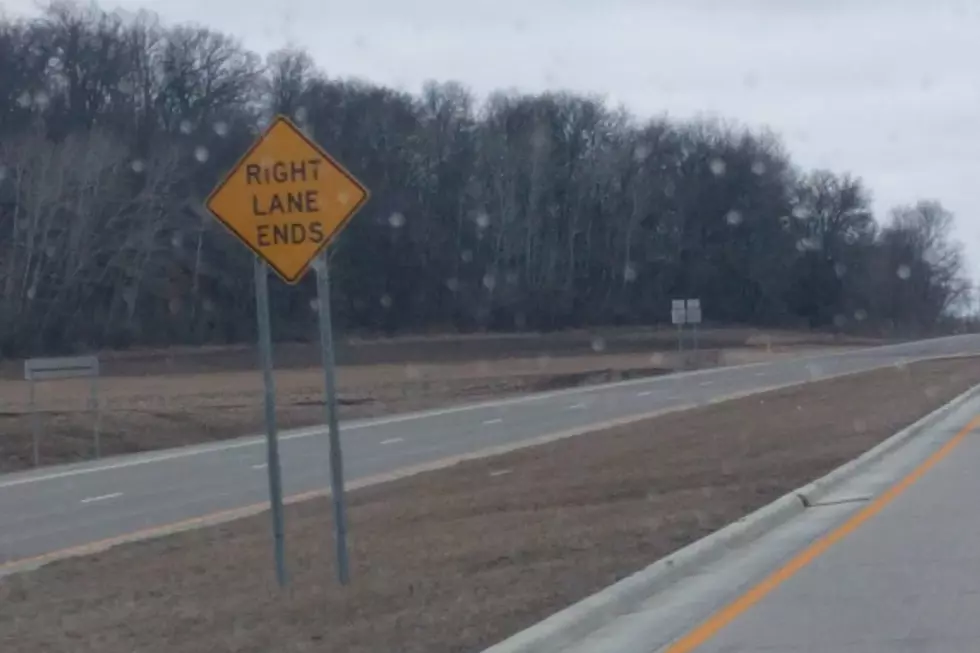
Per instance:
(629,273)
(511,277)
(466,255)
(24,100)
(176,241)
(31,292)
(41,100)
(396,220)
(657,359)
(786,221)
(799,213)
(3,172)
(640,153)
(343,198)
(860,315)
(315,305)
(174,305)
(850,237)
(412,372)
(201,153)
(482,220)
(386,301)
(759,168)
(489,281)
(50,251)
(221,128)
(137,165)
(904,272)
(840,269)
(598,344)
(186,127)
(452,283)
(839,321)
(539,138)
(718,167)
(932,391)
(543,361)
(208,305)
(733,218)
(301,114)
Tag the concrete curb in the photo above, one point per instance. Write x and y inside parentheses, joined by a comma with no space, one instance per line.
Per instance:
(588,615)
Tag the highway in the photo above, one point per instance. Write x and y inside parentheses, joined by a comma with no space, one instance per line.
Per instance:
(886,562)
(56,508)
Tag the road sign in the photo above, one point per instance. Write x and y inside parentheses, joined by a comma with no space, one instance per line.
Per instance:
(678,313)
(694,311)
(286,199)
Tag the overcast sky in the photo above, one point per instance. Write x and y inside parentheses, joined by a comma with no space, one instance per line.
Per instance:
(886,89)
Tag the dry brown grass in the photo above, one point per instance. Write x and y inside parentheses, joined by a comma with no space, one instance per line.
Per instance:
(458,559)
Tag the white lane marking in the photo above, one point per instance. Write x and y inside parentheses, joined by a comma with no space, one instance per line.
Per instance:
(103,497)
(705,383)
(392,440)
(260,465)
(495,420)
(645,393)
(577,406)
(251,441)
(500,472)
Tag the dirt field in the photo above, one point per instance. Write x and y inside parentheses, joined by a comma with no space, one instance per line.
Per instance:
(154,400)
(458,559)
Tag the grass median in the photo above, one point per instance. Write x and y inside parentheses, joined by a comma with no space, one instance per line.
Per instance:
(460,558)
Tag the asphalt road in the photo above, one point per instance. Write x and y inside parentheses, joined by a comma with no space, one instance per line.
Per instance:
(886,562)
(61,507)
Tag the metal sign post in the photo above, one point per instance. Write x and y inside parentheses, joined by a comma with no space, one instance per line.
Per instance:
(49,369)
(694,318)
(271,436)
(286,199)
(678,315)
(322,268)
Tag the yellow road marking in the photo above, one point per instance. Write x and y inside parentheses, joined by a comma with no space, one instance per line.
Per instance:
(709,628)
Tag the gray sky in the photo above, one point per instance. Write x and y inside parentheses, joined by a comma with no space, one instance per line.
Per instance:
(887,89)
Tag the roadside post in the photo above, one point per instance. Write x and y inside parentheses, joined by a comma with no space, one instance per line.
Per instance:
(694,319)
(678,316)
(286,199)
(50,369)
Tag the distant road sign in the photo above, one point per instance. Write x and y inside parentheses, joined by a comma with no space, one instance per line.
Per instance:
(286,199)
(694,311)
(678,314)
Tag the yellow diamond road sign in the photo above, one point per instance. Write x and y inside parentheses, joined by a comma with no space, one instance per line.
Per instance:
(286,199)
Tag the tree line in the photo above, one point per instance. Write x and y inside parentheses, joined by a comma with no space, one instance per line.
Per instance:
(517,212)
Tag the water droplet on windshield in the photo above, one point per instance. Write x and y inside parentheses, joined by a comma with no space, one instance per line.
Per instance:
(3,172)
(489,281)
(137,165)
(759,168)
(799,213)
(629,272)
(482,220)
(452,283)
(733,218)
(904,272)
(201,153)
(598,344)
(466,255)
(860,315)
(840,270)
(386,301)
(302,114)
(718,167)
(186,127)
(396,220)
(221,128)
(840,321)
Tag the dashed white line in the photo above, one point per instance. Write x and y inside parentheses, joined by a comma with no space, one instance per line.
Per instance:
(103,497)
(260,465)
(495,420)
(645,393)
(499,472)
(705,383)
(392,440)
(576,406)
